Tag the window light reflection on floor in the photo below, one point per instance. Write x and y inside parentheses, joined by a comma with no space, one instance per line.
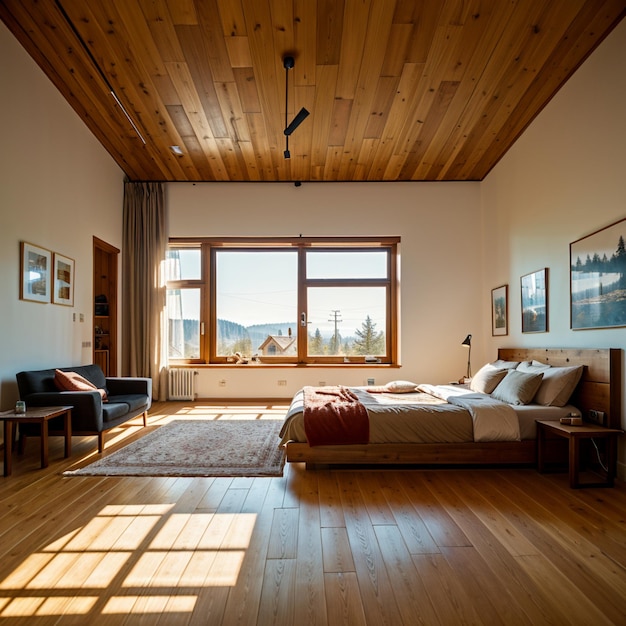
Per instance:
(125,605)
(134,548)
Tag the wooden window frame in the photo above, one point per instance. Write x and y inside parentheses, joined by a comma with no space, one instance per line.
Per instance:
(207,283)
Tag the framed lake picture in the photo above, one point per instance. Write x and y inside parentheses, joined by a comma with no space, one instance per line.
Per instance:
(535,302)
(598,279)
(500,311)
(35,273)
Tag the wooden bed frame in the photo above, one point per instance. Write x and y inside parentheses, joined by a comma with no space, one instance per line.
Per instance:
(599,389)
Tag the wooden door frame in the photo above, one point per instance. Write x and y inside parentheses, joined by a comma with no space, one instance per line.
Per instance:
(111,254)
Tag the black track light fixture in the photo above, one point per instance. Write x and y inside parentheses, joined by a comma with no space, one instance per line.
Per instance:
(297,120)
(288,63)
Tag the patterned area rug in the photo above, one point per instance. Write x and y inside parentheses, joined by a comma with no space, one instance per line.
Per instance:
(198,448)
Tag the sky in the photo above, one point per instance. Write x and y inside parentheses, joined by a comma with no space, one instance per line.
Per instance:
(261,287)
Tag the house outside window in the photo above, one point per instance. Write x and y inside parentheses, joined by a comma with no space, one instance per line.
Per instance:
(295,301)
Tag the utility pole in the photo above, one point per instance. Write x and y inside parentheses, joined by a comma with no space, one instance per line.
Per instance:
(336,318)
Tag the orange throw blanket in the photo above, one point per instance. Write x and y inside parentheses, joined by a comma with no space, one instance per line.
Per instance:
(334,415)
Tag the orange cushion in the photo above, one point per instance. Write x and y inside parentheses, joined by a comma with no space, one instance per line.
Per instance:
(71,381)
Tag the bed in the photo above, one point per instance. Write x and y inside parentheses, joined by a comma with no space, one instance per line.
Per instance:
(447,433)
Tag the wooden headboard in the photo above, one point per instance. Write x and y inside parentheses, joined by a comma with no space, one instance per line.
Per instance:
(600,386)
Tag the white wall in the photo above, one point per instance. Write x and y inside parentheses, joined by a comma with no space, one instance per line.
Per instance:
(564,179)
(58,188)
(439,225)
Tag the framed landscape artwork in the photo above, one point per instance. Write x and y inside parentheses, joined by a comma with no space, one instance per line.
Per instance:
(35,272)
(500,311)
(535,302)
(63,292)
(598,279)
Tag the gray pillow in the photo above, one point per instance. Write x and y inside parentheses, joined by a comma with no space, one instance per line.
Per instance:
(558,385)
(505,365)
(517,387)
(532,367)
(487,378)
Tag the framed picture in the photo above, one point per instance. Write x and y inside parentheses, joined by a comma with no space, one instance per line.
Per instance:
(535,302)
(500,311)
(35,273)
(598,279)
(63,283)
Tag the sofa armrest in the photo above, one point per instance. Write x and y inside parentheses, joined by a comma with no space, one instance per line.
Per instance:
(119,386)
(86,406)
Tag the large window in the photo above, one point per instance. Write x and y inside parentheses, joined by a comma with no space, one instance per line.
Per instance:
(283,301)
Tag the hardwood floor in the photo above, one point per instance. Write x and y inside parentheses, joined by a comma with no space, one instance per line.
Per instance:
(399,546)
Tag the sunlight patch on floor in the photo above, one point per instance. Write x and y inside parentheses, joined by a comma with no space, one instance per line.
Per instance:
(131,547)
(252,411)
(124,605)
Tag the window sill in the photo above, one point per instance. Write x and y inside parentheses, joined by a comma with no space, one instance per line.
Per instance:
(285,365)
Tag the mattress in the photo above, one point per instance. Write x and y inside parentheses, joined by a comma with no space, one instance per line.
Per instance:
(419,417)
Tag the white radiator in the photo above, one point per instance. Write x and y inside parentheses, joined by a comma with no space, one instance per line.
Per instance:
(182,384)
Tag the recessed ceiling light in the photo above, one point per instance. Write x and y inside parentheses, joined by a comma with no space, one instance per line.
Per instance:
(176,150)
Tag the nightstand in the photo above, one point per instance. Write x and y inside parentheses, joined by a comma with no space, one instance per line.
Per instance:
(574,435)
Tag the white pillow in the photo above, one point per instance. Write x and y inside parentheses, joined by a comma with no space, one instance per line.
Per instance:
(400,386)
(558,385)
(487,378)
(517,387)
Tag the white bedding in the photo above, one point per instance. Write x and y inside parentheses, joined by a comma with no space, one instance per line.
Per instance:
(492,420)
(420,417)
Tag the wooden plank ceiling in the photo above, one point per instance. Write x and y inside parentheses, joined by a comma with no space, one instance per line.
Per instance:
(397,90)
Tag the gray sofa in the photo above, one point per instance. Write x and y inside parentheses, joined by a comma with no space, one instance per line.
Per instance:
(126,398)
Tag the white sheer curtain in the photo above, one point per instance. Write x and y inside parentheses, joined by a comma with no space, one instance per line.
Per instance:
(144,320)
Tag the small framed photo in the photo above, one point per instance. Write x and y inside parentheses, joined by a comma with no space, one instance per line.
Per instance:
(535,302)
(598,279)
(35,273)
(63,283)
(500,311)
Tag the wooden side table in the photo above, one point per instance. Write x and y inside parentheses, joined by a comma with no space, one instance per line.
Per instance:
(574,435)
(41,415)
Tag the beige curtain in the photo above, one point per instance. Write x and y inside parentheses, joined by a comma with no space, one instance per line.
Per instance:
(144,319)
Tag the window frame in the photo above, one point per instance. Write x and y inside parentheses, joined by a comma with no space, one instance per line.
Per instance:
(210,246)
(191,283)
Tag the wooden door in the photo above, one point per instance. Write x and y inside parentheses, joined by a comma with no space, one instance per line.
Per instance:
(105,306)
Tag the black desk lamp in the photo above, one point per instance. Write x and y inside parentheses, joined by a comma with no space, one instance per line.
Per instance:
(468,342)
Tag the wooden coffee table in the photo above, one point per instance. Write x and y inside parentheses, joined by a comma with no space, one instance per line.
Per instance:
(41,415)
